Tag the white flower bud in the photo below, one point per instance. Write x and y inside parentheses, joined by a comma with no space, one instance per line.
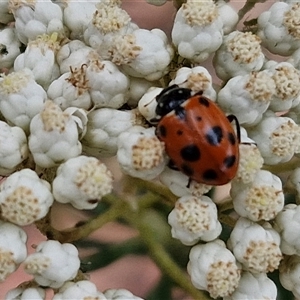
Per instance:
(287,223)
(256,247)
(194,219)
(229,16)
(181,185)
(108,86)
(239,54)
(74,55)
(53,263)
(108,22)
(137,89)
(39,57)
(13,249)
(71,89)
(197,30)
(147,104)
(77,15)
(276,138)
(253,287)
(143,53)
(53,136)
(287,82)
(120,294)
(82,181)
(247,96)
(36,18)
(13,148)
(24,197)
(197,79)
(103,128)
(279,28)
(21,98)
(213,268)
(250,161)
(80,290)
(140,153)
(30,293)
(259,200)
(289,273)
(9,46)
(80,117)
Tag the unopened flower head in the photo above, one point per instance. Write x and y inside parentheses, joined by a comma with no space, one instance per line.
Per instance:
(81,290)
(34,18)
(21,293)
(13,249)
(197,79)
(103,128)
(120,294)
(53,136)
(39,57)
(239,54)
(9,46)
(265,288)
(278,28)
(276,138)
(261,199)
(213,268)
(13,148)
(71,89)
(21,98)
(181,185)
(287,224)
(250,163)
(24,197)
(194,219)
(82,181)
(108,86)
(140,153)
(197,21)
(53,263)
(143,53)
(289,271)
(247,96)
(256,247)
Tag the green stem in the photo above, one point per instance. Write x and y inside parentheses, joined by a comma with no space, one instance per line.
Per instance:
(162,258)
(283,167)
(119,207)
(228,220)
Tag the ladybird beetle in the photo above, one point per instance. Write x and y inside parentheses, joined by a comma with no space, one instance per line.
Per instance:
(198,137)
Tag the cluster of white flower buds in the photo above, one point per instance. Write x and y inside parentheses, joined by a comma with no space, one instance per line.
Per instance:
(80,83)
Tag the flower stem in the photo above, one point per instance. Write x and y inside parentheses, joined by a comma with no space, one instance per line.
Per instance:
(162,258)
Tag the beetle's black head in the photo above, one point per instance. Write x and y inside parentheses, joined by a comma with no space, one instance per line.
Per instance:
(170,98)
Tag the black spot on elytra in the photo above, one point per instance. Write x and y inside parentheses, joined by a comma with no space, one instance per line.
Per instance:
(229,161)
(179,132)
(187,170)
(210,174)
(180,112)
(190,153)
(231,138)
(204,101)
(161,131)
(214,136)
